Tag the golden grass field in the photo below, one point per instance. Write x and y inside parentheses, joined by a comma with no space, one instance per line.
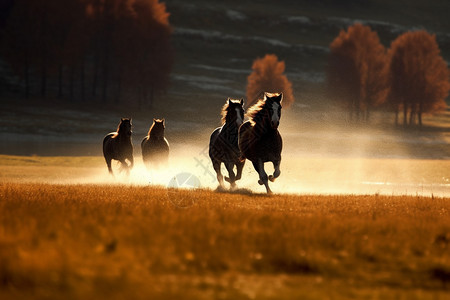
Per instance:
(115,241)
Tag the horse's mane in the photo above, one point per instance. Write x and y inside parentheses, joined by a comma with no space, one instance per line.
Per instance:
(224,111)
(254,111)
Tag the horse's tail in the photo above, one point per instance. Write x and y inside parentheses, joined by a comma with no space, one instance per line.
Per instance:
(212,141)
(144,140)
(106,141)
(107,151)
(166,145)
(243,139)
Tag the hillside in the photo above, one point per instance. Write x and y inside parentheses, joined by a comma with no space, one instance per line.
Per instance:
(217,43)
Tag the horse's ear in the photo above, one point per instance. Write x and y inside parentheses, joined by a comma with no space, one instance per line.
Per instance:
(154,120)
(122,119)
(164,121)
(242,101)
(130,120)
(280,97)
(229,101)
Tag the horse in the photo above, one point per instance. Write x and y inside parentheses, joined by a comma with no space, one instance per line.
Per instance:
(259,139)
(223,145)
(117,145)
(155,147)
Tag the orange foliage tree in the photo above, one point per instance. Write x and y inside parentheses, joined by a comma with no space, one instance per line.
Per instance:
(357,72)
(151,54)
(121,48)
(419,76)
(267,76)
(131,47)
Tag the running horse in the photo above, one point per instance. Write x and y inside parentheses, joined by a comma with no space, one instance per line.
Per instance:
(223,145)
(117,145)
(155,147)
(259,139)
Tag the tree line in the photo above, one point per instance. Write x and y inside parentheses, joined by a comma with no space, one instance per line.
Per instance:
(410,78)
(362,75)
(102,50)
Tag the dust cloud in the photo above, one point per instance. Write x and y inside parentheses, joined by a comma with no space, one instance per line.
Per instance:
(319,157)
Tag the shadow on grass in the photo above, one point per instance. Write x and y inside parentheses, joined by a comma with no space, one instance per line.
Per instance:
(240,191)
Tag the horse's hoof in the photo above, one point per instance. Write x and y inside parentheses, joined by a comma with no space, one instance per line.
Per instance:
(227,179)
(272,178)
(260,182)
(269,192)
(220,189)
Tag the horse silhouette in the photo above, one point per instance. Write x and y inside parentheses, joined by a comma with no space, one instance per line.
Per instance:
(259,139)
(117,145)
(223,145)
(155,147)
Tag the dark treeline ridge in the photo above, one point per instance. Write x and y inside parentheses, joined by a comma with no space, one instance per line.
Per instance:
(112,51)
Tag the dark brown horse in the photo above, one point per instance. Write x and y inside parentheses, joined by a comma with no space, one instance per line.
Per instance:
(155,148)
(259,139)
(117,145)
(223,145)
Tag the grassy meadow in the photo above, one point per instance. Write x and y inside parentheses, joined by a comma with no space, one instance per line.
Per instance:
(95,241)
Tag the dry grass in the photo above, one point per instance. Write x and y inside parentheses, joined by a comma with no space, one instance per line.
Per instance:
(116,241)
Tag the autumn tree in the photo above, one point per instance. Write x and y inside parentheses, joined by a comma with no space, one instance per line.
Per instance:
(117,47)
(67,39)
(267,76)
(150,51)
(357,71)
(419,76)
(131,47)
(36,35)
(19,40)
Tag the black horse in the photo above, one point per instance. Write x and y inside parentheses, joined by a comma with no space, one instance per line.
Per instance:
(117,145)
(223,145)
(155,148)
(259,139)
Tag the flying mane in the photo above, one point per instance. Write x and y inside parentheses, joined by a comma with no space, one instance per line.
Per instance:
(255,111)
(224,111)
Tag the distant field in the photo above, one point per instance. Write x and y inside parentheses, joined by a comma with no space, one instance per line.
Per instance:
(135,242)
(300,174)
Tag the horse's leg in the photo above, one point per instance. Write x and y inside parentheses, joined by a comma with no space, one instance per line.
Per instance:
(108,164)
(277,172)
(131,159)
(232,178)
(216,166)
(263,179)
(124,166)
(239,166)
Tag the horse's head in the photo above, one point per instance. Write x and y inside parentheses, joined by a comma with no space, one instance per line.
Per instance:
(273,107)
(125,126)
(233,111)
(157,129)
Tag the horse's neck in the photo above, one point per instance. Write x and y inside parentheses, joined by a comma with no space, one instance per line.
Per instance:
(262,126)
(231,125)
(156,136)
(229,132)
(123,137)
